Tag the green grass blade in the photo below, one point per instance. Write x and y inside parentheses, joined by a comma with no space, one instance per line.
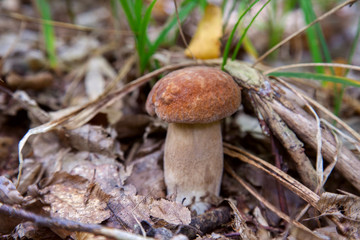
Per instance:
(318,76)
(143,43)
(228,43)
(48,31)
(311,34)
(246,30)
(130,15)
(138,7)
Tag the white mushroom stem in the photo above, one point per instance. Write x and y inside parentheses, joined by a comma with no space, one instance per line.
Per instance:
(193,162)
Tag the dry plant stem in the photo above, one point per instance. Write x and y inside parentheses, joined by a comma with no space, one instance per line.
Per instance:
(305,128)
(300,31)
(289,182)
(290,142)
(129,62)
(193,162)
(341,65)
(24,18)
(68,224)
(180,29)
(263,200)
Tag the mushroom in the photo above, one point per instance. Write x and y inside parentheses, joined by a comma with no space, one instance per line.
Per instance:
(193,100)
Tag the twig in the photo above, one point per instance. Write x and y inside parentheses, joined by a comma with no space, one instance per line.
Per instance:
(68,224)
(296,119)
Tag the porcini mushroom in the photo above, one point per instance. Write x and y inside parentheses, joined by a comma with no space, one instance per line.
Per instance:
(193,100)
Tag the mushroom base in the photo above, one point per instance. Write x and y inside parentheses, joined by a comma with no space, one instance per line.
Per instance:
(193,163)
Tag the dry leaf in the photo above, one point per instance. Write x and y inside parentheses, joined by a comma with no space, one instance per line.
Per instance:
(8,195)
(206,42)
(8,192)
(130,209)
(97,69)
(346,206)
(108,175)
(171,212)
(93,139)
(74,198)
(147,175)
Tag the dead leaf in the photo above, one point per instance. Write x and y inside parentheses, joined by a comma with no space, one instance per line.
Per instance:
(31,172)
(98,69)
(206,42)
(8,192)
(171,212)
(346,206)
(130,209)
(147,175)
(107,176)
(68,198)
(94,139)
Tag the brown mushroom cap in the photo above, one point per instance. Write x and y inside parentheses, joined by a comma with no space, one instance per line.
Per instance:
(194,95)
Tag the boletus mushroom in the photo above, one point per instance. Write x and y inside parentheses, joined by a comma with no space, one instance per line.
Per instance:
(193,100)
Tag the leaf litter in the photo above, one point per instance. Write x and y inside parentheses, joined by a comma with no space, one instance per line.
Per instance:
(89,174)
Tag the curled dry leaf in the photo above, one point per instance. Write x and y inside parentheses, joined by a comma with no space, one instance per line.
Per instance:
(206,41)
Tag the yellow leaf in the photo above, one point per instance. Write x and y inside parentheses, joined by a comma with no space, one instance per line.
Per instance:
(206,42)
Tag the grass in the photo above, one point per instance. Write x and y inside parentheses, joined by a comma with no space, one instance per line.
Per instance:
(48,32)
(139,16)
(230,39)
